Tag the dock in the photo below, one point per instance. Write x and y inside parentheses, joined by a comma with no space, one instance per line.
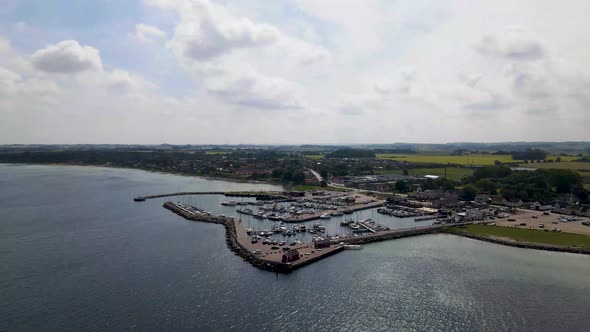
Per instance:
(317,215)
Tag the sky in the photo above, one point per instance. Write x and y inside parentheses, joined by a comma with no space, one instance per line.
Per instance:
(293,71)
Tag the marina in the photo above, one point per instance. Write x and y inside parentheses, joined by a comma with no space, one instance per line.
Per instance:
(276,250)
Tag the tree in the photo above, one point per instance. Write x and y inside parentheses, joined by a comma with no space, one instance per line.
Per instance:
(558,159)
(582,194)
(469,192)
(401,186)
(497,162)
(486,185)
(405,172)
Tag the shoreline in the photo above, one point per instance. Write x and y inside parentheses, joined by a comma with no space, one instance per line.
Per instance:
(206,177)
(519,244)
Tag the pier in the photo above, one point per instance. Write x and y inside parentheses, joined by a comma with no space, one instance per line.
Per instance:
(279,195)
(317,215)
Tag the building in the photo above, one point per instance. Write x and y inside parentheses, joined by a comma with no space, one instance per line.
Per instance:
(538,207)
(290,256)
(321,244)
(482,199)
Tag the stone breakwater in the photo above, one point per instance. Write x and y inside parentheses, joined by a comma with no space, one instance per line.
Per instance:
(526,245)
(232,241)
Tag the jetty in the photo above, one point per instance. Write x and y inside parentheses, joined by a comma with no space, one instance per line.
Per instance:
(260,195)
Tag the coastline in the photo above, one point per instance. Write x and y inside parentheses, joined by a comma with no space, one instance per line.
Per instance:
(207,177)
(519,244)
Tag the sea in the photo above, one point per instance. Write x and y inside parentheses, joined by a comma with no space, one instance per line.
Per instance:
(77,254)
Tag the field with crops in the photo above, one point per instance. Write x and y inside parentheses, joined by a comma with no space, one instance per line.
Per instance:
(473,159)
(453,173)
(580,167)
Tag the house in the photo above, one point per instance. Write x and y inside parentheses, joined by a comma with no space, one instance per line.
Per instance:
(290,256)
(538,207)
(321,243)
(482,199)
(498,200)
(514,203)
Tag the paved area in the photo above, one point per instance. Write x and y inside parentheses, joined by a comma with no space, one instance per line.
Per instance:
(549,221)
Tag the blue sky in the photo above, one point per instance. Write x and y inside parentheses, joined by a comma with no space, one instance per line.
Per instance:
(293,71)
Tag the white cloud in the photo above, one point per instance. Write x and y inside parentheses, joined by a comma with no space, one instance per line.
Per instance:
(222,49)
(207,30)
(67,56)
(147,34)
(510,49)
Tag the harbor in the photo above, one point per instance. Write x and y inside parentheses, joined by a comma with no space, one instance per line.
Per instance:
(274,250)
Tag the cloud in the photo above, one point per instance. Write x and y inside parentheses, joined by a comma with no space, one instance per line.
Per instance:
(147,34)
(511,49)
(67,56)
(207,30)
(220,48)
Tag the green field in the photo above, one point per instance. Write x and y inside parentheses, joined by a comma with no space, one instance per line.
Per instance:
(483,159)
(215,152)
(528,235)
(314,156)
(581,167)
(453,173)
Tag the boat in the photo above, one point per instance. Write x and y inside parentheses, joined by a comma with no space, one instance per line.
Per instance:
(230,203)
(348,212)
(249,230)
(346,222)
(274,217)
(245,211)
(325,216)
(352,247)
(337,214)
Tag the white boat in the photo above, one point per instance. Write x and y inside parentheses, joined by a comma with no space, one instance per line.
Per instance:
(352,247)
(325,216)
(230,203)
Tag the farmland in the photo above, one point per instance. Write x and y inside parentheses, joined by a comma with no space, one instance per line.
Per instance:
(482,159)
(581,167)
(453,173)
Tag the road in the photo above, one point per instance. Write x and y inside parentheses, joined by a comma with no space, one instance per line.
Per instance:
(317,175)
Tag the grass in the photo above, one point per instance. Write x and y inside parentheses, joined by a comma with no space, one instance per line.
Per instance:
(453,173)
(216,152)
(528,235)
(563,158)
(482,159)
(581,167)
(314,156)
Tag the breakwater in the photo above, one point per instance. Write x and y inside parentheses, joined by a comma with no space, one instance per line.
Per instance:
(279,195)
(230,238)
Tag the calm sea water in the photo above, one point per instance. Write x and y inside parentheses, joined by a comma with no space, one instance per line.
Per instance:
(77,254)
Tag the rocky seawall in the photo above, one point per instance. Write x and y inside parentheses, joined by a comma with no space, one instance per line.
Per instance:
(232,241)
(526,245)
